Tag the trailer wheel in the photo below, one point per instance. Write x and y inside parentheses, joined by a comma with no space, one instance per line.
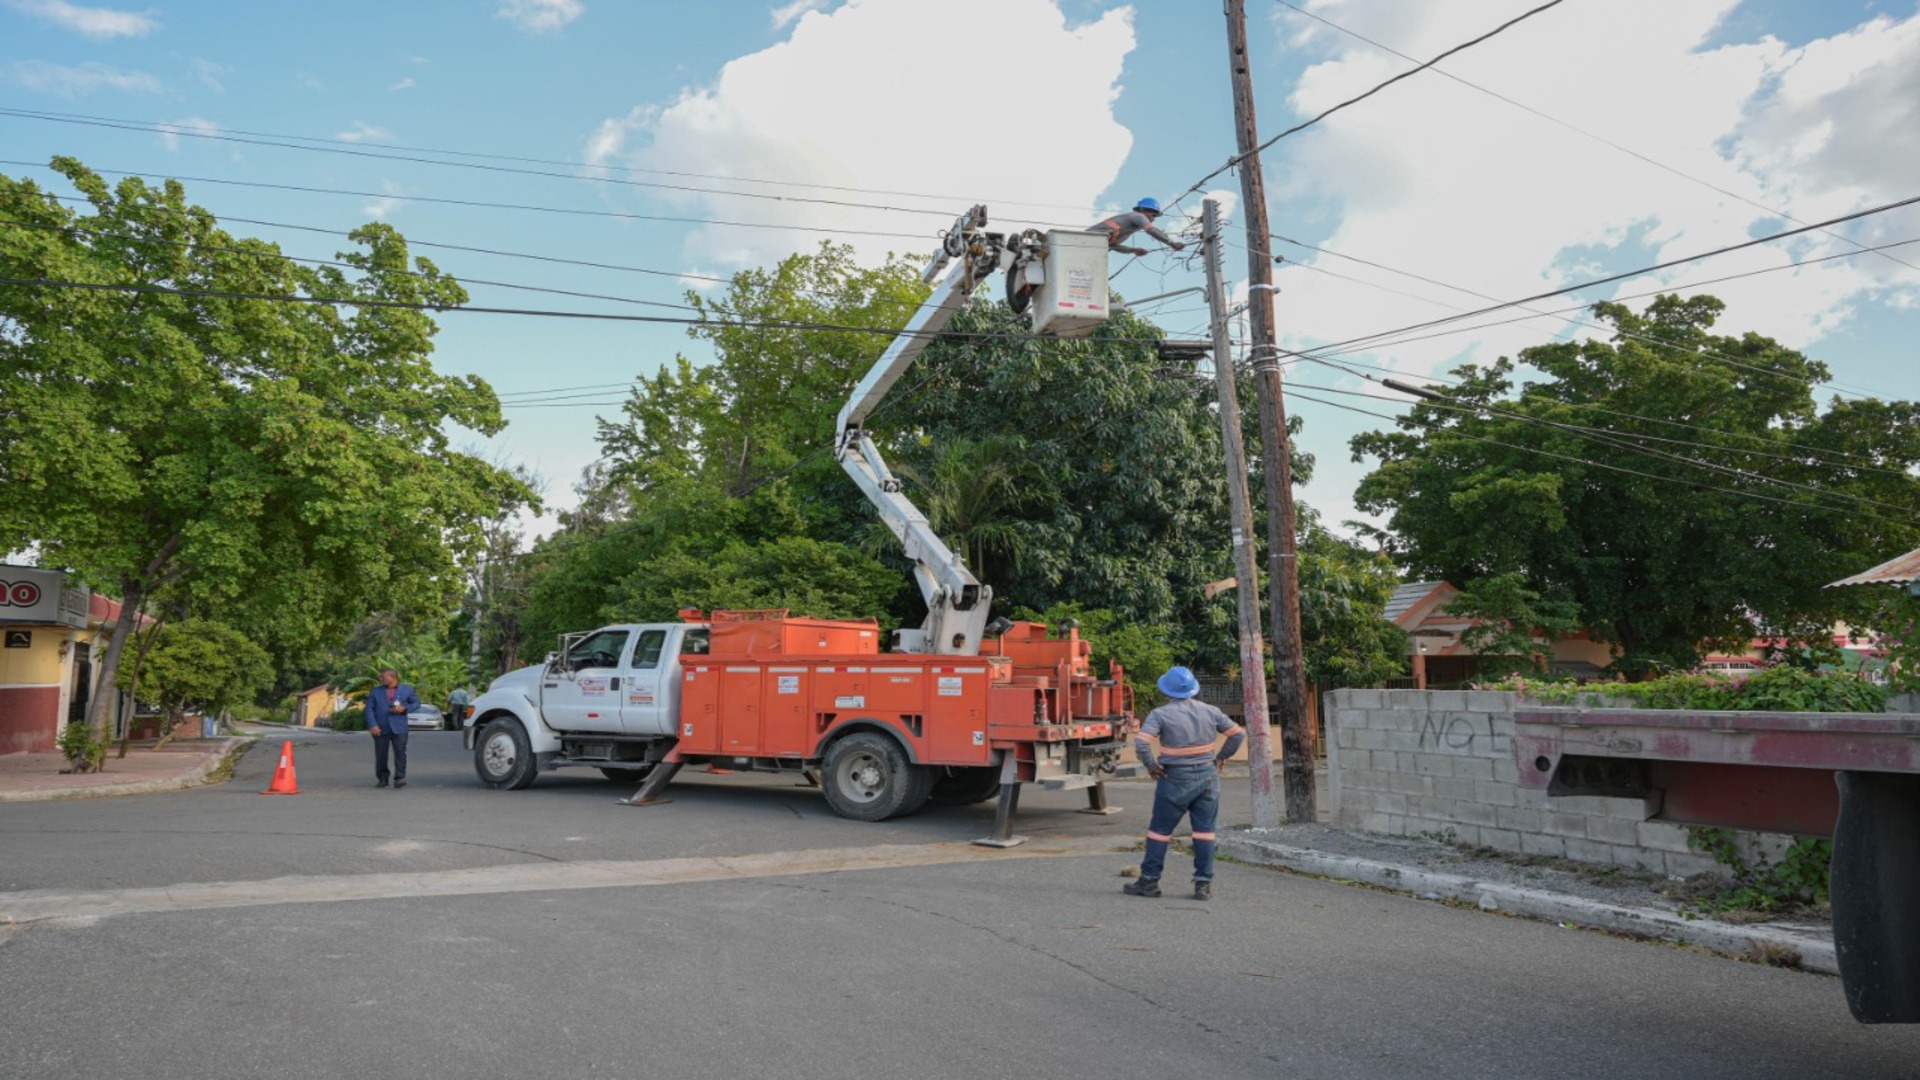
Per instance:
(627,776)
(503,757)
(868,778)
(965,786)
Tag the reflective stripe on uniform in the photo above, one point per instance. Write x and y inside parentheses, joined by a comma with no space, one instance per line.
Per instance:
(1164,838)
(1203,836)
(1186,751)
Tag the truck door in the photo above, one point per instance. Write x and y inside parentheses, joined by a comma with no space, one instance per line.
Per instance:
(584,698)
(651,694)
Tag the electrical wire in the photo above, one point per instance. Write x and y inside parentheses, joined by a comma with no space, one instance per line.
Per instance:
(1563,313)
(1619,440)
(1583,132)
(1304,125)
(359,148)
(1727,249)
(595,316)
(1695,485)
(619,215)
(75,230)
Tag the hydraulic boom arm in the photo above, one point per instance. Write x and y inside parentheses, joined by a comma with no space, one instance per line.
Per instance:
(957,603)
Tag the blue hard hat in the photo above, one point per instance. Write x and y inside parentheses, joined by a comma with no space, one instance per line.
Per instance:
(1148,203)
(1178,682)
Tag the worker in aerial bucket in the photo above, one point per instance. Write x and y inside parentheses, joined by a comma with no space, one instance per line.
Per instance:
(1121,227)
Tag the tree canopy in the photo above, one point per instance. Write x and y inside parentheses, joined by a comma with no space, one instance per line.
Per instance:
(214,424)
(1683,488)
(1078,478)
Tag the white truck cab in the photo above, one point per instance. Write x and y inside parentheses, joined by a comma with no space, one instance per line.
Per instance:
(608,698)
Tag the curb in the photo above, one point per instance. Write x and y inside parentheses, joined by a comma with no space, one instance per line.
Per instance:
(196,777)
(1815,953)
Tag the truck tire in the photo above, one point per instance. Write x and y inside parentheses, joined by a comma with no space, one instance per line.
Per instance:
(867,777)
(965,786)
(626,776)
(503,757)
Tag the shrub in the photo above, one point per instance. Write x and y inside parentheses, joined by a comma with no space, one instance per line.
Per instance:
(351,718)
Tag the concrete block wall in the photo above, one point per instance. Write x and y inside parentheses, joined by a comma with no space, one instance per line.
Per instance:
(1408,762)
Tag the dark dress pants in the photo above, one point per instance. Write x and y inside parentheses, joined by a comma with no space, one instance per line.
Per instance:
(395,737)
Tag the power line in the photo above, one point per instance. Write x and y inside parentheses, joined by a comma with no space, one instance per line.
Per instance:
(1583,132)
(1856,215)
(76,230)
(620,215)
(1696,485)
(1562,313)
(1617,440)
(359,149)
(596,316)
(1302,126)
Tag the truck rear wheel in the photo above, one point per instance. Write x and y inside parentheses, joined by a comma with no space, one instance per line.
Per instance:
(868,778)
(964,786)
(626,776)
(503,757)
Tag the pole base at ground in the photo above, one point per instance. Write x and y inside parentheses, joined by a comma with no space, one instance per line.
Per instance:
(1000,841)
(1097,801)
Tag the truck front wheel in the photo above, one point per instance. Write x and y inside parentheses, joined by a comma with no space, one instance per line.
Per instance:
(503,757)
(868,778)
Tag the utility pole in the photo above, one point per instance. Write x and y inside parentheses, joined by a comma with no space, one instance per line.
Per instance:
(1246,570)
(1283,569)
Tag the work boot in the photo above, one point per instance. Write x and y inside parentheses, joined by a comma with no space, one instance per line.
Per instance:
(400,783)
(1146,886)
(382,783)
(1203,890)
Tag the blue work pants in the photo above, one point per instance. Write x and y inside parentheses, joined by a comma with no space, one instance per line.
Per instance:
(1190,791)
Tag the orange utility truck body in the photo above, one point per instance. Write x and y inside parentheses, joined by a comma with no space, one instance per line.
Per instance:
(775,689)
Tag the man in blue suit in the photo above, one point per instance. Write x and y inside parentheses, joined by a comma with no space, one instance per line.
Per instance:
(387,709)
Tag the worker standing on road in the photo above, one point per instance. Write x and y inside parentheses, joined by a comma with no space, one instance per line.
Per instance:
(387,707)
(1188,771)
(1121,227)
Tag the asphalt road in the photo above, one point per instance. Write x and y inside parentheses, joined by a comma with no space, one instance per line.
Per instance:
(742,930)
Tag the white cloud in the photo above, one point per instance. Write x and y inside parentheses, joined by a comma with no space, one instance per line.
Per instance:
(171,130)
(1438,179)
(94,22)
(407,83)
(382,207)
(787,14)
(540,16)
(71,81)
(812,109)
(208,73)
(361,131)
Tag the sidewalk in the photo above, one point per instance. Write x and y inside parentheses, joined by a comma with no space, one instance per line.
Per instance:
(1572,895)
(182,763)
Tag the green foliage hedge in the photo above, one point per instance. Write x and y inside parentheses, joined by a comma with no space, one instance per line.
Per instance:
(1774,689)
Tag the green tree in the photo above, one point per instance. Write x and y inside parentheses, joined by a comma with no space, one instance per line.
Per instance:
(805,576)
(1344,590)
(1144,650)
(192,429)
(1514,627)
(1122,503)
(1689,545)
(200,665)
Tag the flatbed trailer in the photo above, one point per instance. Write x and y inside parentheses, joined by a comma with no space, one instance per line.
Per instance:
(1854,777)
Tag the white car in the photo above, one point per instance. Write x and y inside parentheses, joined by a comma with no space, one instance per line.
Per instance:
(427,716)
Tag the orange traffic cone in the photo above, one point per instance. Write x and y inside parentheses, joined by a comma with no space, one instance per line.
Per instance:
(283,779)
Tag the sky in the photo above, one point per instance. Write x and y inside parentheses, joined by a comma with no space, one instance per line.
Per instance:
(670,144)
